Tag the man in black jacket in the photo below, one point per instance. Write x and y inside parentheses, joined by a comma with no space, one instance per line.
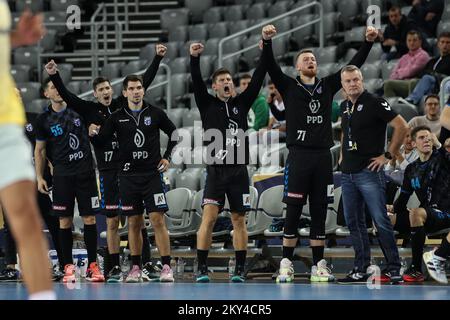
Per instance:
(308,172)
(227,157)
(141,183)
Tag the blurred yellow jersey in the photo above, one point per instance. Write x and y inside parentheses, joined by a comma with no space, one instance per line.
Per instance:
(11,108)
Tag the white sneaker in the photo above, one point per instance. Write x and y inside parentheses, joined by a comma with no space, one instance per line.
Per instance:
(435,266)
(166,274)
(286,272)
(321,273)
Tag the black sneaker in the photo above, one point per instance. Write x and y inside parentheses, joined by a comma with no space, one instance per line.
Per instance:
(57,275)
(354,277)
(149,273)
(395,277)
(9,274)
(239,275)
(202,275)
(114,275)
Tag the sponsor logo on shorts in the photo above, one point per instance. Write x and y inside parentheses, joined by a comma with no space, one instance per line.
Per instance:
(127,208)
(112,207)
(160,199)
(59,208)
(95,203)
(246,200)
(295,195)
(210,201)
(330,190)
(29,127)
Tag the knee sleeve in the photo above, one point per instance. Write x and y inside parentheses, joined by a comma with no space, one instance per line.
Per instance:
(293,214)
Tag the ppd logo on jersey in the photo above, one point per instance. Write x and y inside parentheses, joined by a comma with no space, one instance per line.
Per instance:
(314,106)
(74,144)
(139,141)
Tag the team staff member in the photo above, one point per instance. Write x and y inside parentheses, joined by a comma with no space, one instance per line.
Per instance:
(17,177)
(308,172)
(226,167)
(137,127)
(364,120)
(61,131)
(107,155)
(428,178)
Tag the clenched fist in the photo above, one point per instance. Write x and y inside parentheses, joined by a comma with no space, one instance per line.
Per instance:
(268,32)
(50,67)
(371,34)
(160,49)
(196,49)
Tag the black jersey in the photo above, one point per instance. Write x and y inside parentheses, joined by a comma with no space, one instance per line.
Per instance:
(308,113)
(229,118)
(97,113)
(67,141)
(430,180)
(138,135)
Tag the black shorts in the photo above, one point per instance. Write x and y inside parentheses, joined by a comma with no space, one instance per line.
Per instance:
(232,181)
(109,193)
(83,187)
(308,173)
(144,190)
(436,220)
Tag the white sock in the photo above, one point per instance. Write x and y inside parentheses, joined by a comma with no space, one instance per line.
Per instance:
(43,295)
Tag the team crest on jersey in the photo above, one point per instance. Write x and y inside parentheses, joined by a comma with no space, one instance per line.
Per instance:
(314,106)
(147,121)
(77,122)
(235,110)
(319,90)
(360,107)
(29,127)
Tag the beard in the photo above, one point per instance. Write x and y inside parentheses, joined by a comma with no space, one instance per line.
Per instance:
(310,72)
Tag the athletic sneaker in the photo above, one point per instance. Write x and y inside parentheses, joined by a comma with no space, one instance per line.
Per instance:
(57,275)
(392,277)
(166,274)
(69,273)
(202,275)
(354,277)
(93,273)
(135,275)
(413,275)
(9,274)
(149,273)
(114,275)
(321,273)
(286,273)
(238,275)
(435,266)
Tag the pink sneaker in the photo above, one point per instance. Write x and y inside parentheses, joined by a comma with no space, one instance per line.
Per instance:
(166,274)
(135,275)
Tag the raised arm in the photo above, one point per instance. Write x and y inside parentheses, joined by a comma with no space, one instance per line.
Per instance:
(151,71)
(81,106)
(358,59)
(280,80)
(200,91)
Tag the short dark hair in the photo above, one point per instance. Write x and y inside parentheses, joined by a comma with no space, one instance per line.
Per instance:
(131,78)
(431,96)
(45,84)
(417,129)
(245,76)
(444,34)
(219,72)
(395,8)
(302,52)
(99,80)
(415,33)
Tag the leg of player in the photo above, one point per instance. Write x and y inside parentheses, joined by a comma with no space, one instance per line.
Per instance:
(90,239)
(163,243)
(240,241)
(135,243)
(204,239)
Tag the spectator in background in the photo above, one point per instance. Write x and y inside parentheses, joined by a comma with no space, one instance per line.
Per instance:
(431,117)
(426,14)
(436,69)
(407,68)
(258,116)
(276,128)
(394,36)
